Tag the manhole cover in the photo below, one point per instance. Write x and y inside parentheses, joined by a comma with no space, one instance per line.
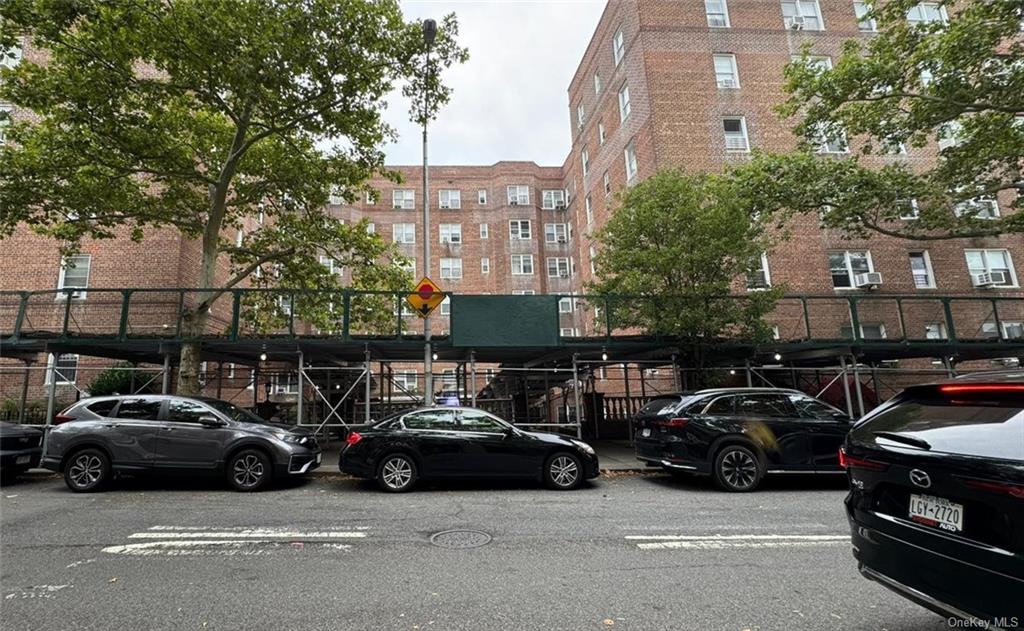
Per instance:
(460,539)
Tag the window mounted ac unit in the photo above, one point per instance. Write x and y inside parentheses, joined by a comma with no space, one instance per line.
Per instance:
(445,205)
(757,280)
(727,83)
(561,239)
(564,274)
(989,279)
(559,205)
(795,23)
(868,279)
(513,202)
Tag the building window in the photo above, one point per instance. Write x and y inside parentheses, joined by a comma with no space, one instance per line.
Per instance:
(760,277)
(718,13)
(11,57)
(481,197)
(518,195)
(406,380)
(566,305)
(64,368)
(522,265)
(831,140)
(631,167)
(921,270)
(556,233)
(584,160)
(484,234)
(519,230)
(593,257)
(983,207)
(597,83)
(371,198)
(446,306)
(867,332)
(926,12)
(735,129)
(601,135)
(624,103)
(523,292)
(580,116)
(726,74)
(1011,330)
(590,211)
(5,120)
(935,331)
(950,134)
(451,269)
(845,266)
(909,209)
(558,267)
(331,265)
(864,23)
(568,332)
(403,233)
(485,265)
(802,15)
(996,264)
(618,47)
(74,274)
(553,199)
(451,232)
(403,199)
(449,198)
(409,267)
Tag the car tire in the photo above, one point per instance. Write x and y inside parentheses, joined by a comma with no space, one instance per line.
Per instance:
(249,470)
(87,471)
(737,469)
(563,471)
(397,473)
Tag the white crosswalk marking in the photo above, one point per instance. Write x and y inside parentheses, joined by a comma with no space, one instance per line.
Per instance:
(722,542)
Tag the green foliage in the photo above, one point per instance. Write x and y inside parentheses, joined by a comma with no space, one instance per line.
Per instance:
(121,378)
(678,245)
(911,84)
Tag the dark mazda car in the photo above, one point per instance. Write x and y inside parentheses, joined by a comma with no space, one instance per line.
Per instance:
(20,448)
(936,503)
(96,437)
(460,442)
(737,435)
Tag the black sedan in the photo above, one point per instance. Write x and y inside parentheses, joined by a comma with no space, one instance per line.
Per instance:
(461,442)
(737,435)
(936,503)
(20,448)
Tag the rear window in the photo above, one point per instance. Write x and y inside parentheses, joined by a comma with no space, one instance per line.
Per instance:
(139,409)
(966,426)
(663,406)
(102,408)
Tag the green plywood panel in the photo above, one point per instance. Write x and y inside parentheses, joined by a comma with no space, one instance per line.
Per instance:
(479,321)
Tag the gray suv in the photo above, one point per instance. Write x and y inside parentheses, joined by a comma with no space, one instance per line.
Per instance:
(96,437)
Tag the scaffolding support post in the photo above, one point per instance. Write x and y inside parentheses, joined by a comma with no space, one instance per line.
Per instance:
(856,380)
(165,378)
(846,387)
(369,380)
(576,395)
(750,376)
(472,377)
(51,395)
(302,390)
(950,371)
(675,374)
(24,393)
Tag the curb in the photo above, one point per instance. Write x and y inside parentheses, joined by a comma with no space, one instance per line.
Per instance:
(40,474)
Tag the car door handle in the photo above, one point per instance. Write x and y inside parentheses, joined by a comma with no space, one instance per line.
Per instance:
(112,425)
(166,428)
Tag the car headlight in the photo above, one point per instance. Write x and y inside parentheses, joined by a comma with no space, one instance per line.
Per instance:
(584,446)
(295,439)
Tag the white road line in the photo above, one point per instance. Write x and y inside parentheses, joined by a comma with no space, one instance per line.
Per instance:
(205,548)
(722,542)
(255,533)
(741,537)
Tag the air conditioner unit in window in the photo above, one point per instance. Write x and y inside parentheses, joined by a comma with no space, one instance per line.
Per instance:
(561,239)
(564,274)
(559,205)
(989,279)
(868,279)
(513,202)
(795,23)
(445,205)
(727,83)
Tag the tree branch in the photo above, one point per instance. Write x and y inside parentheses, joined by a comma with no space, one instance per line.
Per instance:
(242,275)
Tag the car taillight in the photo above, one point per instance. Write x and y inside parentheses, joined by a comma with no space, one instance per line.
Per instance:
(674,422)
(1013,490)
(848,462)
(353,438)
(62,418)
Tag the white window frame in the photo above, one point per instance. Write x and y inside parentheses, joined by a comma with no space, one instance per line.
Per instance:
(566,304)
(484,231)
(450,233)
(981,207)
(724,14)
(524,292)
(632,168)
(799,12)
(454,268)
(850,273)
(562,267)
(913,206)
(985,252)
(407,380)
(834,146)
(585,160)
(516,230)
(518,195)
(481,197)
(449,199)
(371,228)
(602,136)
(927,268)
(589,210)
(371,198)
(552,198)
(403,199)
(730,81)
(593,255)
(51,360)
(915,15)
(940,331)
(521,262)
(446,306)
(618,47)
(606,180)
(581,116)
(866,25)
(5,120)
(568,332)
(597,83)
(625,108)
(736,148)
(331,265)
(11,57)
(80,290)
(407,230)
(766,273)
(485,265)
(552,232)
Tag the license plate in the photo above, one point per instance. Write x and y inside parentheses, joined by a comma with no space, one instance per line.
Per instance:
(646,432)
(23,460)
(937,511)
(318,458)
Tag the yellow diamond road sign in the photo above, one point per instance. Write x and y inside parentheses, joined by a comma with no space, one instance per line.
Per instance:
(426,298)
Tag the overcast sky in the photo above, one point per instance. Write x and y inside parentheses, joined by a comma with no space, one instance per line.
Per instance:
(510,99)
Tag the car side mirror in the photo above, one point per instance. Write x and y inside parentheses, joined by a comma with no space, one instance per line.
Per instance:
(211,421)
(510,432)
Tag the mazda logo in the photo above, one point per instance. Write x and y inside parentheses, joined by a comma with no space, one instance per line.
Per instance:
(920,478)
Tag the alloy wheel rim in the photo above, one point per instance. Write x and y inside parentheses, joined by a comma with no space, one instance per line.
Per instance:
(397,472)
(248,471)
(564,471)
(86,470)
(739,469)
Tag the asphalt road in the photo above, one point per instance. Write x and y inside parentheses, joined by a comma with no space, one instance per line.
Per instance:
(632,552)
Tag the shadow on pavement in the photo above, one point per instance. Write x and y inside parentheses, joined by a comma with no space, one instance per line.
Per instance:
(444,486)
(779,482)
(138,483)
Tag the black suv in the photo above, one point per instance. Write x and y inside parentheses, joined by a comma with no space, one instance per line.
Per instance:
(96,437)
(738,435)
(936,503)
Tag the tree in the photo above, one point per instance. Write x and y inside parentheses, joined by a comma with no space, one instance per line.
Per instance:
(674,249)
(195,114)
(921,79)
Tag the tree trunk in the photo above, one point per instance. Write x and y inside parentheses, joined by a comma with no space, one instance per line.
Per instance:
(191,355)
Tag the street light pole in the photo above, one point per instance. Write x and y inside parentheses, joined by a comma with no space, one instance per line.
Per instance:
(429,32)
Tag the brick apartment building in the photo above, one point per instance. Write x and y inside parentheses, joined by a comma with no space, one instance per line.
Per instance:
(662,83)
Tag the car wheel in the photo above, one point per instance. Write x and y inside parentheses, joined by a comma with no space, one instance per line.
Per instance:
(737,469)
(563,472)
(249,470)
(396,473)
(87,471)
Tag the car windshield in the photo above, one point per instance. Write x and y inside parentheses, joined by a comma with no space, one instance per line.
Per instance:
(233,412)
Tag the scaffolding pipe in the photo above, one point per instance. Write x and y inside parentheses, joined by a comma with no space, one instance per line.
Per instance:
(24,393)
(472,377)
(165,383)
(302,391)
(369,383)
(576,395)
(950,371)
(856,380)
(51,395)
(675,374)
(846,387)
(750,377)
